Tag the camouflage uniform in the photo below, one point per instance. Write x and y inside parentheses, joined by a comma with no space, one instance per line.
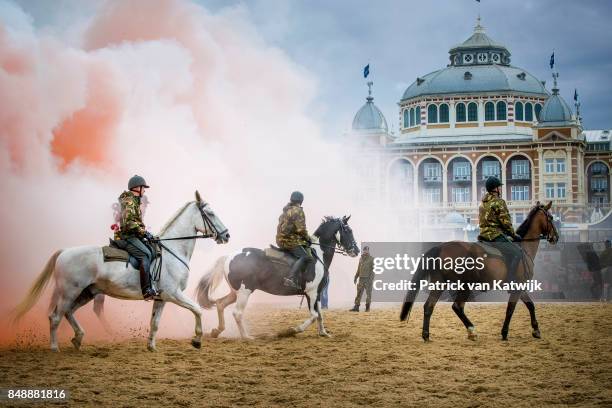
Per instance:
(365,273)
(496,226)
(291,231)
(131,217)
(292,236)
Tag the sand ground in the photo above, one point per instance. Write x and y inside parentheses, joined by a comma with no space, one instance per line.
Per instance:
(371,360)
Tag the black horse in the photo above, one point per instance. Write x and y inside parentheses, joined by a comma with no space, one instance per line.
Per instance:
(253,268)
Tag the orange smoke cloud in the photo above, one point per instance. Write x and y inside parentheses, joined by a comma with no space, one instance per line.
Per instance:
(164,89)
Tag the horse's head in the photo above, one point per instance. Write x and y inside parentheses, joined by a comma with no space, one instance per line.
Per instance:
(540,223)
(336,231)
(208,223)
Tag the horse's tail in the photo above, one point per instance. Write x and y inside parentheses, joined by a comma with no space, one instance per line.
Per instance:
(418,276)
(209,282)
(37,288)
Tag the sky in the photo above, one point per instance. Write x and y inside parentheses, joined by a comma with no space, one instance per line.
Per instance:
(405,39)
(334,40)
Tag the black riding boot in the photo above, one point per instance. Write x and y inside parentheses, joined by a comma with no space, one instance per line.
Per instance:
(293,281)
(354,309)
(367,307)
(148,292)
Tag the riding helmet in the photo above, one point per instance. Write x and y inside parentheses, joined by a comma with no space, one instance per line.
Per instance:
(297,197)
(137,181)
(492,183)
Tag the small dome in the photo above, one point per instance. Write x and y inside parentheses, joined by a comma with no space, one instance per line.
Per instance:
(455,218)
(556,110)
(369,117)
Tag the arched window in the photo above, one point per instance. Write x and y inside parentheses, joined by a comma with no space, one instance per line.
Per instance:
(518,110)
(444,113)
(432,113)
(460,112)
(472,112)
(529,112)
(406,118)
(501,110)
(489,111)
(417,116)
(538,109)
(412,121)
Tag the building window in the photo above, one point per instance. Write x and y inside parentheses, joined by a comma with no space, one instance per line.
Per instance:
(518,110)
(560,190)
(417,116)
(433,171)
(538,109)
(461,170)
(460,112)
(490,169)
(444,113)
(432,113)
(412,119)
(489,111)
(407,118)
(598,168)
(520,169)
(549,166)
(550,190)
(560,165)
(431,195)
(599,184)
(501,110)
(528,112)
(519,193)
(461,194)
(472,112)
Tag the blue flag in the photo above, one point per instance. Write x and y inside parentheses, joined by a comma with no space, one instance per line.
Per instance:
(575,95)
(366,71)
(552,60)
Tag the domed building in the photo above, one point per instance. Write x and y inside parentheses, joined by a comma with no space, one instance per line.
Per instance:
(481,116)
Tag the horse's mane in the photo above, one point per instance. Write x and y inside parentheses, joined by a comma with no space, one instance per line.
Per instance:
(324,222)
(174,217)
(524,227)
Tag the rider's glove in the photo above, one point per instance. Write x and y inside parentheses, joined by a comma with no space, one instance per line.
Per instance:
(149,236)
(517,238)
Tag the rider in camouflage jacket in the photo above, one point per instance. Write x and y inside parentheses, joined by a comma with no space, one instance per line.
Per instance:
(292,236)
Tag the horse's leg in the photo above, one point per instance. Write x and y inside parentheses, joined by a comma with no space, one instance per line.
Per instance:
(531,307)
(183,301)
(509,311)
(221,304)
(241,302)
(312,304)
(85,297)
(428,308)
(322,331)
(458,306)
(158,308)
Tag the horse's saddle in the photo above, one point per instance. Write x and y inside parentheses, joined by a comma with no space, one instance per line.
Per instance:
(490,249)
(116,252)
(276,254)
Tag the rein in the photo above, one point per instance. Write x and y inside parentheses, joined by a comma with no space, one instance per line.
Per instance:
(336,249)
(185,237)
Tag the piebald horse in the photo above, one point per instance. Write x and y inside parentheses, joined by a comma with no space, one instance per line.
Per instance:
(80,274)
(250,269)
(538,225)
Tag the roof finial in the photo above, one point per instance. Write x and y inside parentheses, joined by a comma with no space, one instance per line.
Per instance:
(555,89)
(478,28)
(370,98)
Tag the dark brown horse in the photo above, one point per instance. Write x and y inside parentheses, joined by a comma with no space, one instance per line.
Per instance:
(538,225)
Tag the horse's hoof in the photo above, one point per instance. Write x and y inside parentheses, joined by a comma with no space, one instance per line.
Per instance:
(214,333)
(536,334)
(55,349)
(324,334)
(472,336)
(196,343)
(504,337)
(151,347)
(426,338)
(76,343)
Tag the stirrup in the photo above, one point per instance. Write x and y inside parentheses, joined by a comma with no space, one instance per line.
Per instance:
(291,283)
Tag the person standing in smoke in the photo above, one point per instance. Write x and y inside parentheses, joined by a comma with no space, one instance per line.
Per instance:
(365,274)
(132,231)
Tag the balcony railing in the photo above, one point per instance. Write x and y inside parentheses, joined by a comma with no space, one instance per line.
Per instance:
(486,176)
(462,177)
(599,190)
(432,178)
(520,176)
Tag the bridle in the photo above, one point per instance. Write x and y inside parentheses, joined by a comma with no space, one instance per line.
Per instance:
(551,233)
(337,247)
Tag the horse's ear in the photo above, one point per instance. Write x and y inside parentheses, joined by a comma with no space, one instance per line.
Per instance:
(548,206)
(538,204)
(346,218)
(198,198)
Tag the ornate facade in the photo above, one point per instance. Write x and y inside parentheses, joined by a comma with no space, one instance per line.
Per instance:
(481,116)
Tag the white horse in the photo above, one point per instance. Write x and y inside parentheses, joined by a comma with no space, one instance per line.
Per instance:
(80,274)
